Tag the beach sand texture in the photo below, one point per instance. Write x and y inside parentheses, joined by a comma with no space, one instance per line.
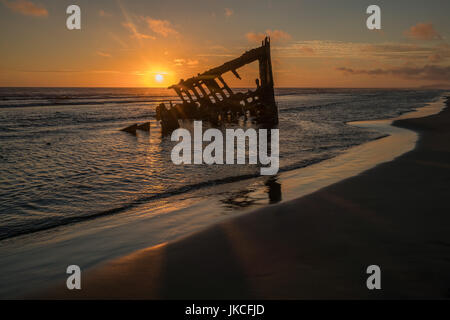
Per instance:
(396,216)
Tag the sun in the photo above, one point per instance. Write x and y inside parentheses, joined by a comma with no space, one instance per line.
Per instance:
(155,76)
(159,78)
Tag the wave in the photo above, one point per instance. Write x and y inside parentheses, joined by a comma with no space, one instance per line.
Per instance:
(12,231)
(81,103)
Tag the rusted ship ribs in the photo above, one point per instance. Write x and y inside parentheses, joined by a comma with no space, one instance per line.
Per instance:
(208,97)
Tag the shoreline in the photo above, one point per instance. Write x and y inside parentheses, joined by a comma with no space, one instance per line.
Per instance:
(372,215)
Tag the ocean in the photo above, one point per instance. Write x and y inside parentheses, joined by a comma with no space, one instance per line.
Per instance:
(64,160)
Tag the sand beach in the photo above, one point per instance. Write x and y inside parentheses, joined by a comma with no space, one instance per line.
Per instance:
(395,215)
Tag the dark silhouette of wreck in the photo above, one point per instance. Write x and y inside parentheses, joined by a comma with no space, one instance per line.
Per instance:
(207,96)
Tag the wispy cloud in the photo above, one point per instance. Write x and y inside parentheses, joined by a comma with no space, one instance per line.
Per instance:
(26,8)
(423,31)
(275,35)
(427,72)
(161,27)
(320,49)
(104,14)
(103,54)
(70,71)
(307,50)
(135,33)
(359,50)
(184,62)
(228,12)
(441,53)
(117,39)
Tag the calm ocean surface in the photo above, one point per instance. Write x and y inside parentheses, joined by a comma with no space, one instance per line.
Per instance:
(64,160)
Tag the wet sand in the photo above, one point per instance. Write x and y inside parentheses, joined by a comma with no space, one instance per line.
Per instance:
(396,215)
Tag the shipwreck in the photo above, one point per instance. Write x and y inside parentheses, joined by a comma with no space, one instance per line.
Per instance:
(208,97)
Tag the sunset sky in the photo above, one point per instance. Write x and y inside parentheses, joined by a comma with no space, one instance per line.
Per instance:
(139,43)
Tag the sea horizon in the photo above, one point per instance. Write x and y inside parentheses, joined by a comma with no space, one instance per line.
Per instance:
(232,87)
(239,150)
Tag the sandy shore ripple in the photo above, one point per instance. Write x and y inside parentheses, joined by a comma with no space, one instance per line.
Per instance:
(396,215)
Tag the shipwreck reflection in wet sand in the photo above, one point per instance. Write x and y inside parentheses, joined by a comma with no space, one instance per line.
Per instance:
(253,195)
(274,190)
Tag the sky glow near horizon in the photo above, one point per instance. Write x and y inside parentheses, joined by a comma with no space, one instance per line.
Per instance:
(154,44)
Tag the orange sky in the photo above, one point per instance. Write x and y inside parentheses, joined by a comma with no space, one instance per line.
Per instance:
(140,43)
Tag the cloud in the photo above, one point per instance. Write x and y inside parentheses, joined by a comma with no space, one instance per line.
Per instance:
(403,51)
(192,62)
(307,50)
(135,33)
(103,13)
(345,69)
(441,53)
(26,8)
(423,31)
(71,71)
(436,53)
(275,35)
(435,57)
(179,62)
(228,12)
(220,55)
(320,49)
(387,52)
(255,37)
(394,48)
(184,62)
(103,54)
(161,27)
(427,72)
(278,35)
